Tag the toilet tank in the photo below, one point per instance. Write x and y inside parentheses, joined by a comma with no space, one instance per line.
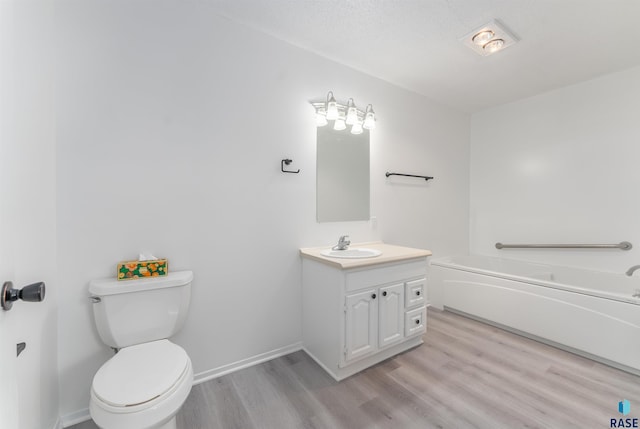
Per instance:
(129,312)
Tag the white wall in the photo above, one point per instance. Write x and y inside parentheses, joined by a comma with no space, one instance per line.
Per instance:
(170,135)
(28,198)
(561,167)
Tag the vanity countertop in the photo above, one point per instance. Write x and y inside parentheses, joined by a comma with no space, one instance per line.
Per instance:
(390,253)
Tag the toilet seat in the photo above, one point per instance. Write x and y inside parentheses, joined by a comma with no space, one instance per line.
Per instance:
(139,374)
(118,402)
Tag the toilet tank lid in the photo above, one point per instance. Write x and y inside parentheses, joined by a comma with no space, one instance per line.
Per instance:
(104,287)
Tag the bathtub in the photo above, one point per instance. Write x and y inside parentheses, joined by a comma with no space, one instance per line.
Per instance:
(591,313)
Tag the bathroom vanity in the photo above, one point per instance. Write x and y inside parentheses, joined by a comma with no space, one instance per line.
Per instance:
(358,312)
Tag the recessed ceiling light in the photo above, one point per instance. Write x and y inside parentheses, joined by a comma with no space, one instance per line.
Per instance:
(489,38)
(493,45)
(483,37)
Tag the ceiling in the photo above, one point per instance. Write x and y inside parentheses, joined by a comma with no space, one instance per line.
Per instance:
(415,44)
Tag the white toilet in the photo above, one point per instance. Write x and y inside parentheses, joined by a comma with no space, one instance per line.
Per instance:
(144,385)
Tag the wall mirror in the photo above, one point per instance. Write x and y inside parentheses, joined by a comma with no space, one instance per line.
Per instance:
(342,184)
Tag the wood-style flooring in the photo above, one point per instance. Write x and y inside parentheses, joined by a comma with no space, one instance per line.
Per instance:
(467,374)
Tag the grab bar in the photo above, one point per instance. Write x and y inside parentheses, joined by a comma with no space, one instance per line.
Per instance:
(624,245)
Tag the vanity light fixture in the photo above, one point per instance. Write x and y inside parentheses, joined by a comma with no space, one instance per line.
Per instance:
(352,112)
(369,118)
(343,115)
(339,124)
(489,38)
(321,117)
(332,107)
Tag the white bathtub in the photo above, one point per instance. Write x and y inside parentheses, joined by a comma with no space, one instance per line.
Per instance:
(589,312)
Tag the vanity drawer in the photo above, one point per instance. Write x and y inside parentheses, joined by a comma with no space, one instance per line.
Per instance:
(415,322)
(415,293)
(387,273)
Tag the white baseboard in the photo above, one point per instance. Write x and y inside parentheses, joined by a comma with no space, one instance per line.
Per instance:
(74,418)
(210,374)
(58,424)
(319,362)
(83,415)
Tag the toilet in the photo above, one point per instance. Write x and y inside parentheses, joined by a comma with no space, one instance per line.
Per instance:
(146,382)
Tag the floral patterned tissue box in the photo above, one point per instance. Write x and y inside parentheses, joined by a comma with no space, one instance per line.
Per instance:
(141,269)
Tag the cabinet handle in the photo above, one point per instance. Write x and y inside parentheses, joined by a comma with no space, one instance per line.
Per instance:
(384,293)
(373,296)
(418,293)
(417,321)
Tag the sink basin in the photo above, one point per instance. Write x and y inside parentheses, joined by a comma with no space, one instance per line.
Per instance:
(353,253)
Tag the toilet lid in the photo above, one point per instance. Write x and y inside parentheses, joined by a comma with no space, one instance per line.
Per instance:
(140,373)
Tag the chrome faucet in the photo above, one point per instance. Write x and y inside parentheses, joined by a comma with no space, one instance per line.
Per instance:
(631,270)
(343,243)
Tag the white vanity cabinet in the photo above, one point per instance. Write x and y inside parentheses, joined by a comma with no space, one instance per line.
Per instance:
(390,315)
(374,319)
(357,313)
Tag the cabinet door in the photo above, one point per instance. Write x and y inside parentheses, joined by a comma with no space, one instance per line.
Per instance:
(361,324)
(391,315)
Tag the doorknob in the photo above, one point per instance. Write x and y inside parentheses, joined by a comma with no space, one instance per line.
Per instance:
(32,293)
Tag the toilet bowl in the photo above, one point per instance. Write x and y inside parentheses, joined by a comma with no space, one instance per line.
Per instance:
(144,385)
(141,387)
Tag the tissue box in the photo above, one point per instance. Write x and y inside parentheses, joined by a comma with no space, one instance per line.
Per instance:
(140,269)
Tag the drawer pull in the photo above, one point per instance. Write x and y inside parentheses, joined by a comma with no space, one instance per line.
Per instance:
(373,296)
(384,293)
(417,321)
(418,293)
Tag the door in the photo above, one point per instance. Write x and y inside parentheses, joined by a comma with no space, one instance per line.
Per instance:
(28,383)
(8,323)
(390,314)
(361,324)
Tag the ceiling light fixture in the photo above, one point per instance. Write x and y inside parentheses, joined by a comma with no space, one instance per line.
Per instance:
(493,45)
(343,115)
(489,38)
(483,37)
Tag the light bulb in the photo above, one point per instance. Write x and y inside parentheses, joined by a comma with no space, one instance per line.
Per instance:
(352,112)
(356,128)
(493,46)
(332,107)
(369,118)
(339,124)
(482,37)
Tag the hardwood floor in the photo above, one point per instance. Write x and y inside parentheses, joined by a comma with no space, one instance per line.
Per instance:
(466,375)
